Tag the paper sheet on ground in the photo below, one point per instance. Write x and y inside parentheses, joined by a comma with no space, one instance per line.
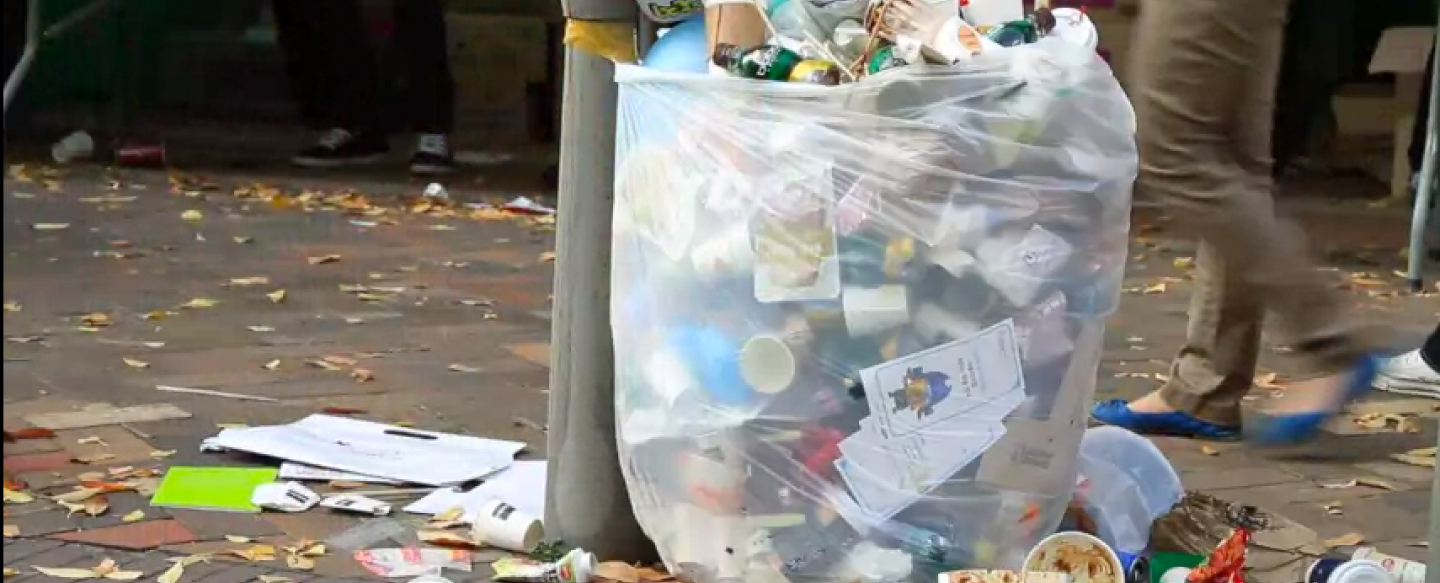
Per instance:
(522,485)
(307,473)
(374,449)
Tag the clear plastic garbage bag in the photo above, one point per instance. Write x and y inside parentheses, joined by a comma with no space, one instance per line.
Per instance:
(857,327)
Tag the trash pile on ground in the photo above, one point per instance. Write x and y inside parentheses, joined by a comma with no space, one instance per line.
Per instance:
(863,253)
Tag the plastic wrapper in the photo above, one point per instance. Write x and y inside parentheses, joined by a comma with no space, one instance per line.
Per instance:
(857,327)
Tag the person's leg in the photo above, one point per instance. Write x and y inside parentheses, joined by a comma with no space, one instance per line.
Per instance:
(340,66)
(1416,372)
(310,84)
(1204,90)
(430,88)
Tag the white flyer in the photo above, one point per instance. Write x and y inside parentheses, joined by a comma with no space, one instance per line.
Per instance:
(886,476)
(957,387)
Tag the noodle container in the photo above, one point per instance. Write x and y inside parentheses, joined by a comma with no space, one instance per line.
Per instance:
(1070,544)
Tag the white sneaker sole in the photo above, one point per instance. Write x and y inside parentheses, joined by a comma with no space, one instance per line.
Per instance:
(1400,386)
(308,162)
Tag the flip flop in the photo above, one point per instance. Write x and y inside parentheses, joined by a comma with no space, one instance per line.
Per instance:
(1117,412)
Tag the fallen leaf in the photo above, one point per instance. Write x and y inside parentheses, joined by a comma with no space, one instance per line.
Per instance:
(452,514)
(96,506)
(362,375)
(1414,460)
(1423,452)
(1154,288)
(12,530)
(333,410)
(248,281)
(173,574)
(79,494)
(339,360)
(13,307)
(259,328)
(94,459)
(1340,485)
(447,539)
(161,454)
(198,303)
(50,226)
(96,319)
(1334,508)
(134,363)
(299,563)
(323,364)
(276,296)
(1375,483)
(308,548)
(323,259)
(256,553)
(92,440)
(1344,540)
(133,516)
(13,483)
(547,257)
(462,368)
(11,572)
(237,539)
(68,573)
(272,365)
(18,497)
(618,571)
(1208,450)
(273,579)
(1183,262)
(155,315)
(243,240)
(192,215)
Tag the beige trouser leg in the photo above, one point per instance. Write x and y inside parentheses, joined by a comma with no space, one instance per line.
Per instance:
(1203,86)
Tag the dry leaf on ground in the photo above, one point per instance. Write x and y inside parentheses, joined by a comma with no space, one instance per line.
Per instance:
(1208,450)
(1345,540)
(134,363)
(161,454)
(198,303)
(95,506)
(107,569)
(1334,508)
(462,368)
(323,259)
(272,365)
(12,530)
(11,572)
(1413,460)
(192,215)
(272,579)
(237,539)
(276,296)
(94,459)
(96,319)
(618,571)
(92,440)
(256,553)
(362,375)
(247,281)
(1375,483)
(447,539)
(50,226)
(1402,423)
(80,494)
(133,516)
(18,497)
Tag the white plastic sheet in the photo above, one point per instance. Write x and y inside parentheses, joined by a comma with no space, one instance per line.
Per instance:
(866,314)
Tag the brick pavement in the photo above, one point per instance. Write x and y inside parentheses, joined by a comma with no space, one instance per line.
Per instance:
(443,290)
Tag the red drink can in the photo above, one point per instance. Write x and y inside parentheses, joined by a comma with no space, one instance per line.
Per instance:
(141,155)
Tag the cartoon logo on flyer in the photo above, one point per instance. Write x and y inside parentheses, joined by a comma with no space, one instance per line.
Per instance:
(922,391)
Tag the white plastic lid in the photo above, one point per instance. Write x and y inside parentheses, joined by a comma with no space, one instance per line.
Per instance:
(1361,571)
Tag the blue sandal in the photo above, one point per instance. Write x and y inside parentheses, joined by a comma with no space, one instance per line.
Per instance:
(1300,427)
(1117,412)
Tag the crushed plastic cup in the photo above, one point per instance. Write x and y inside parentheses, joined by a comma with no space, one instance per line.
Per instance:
(870,310)
(78,145)
(501,525)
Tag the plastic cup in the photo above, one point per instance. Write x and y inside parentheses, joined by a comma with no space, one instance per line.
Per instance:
(501,525)
(873,310)
(76,146)
(728,254)
(1075,550)
(770,362)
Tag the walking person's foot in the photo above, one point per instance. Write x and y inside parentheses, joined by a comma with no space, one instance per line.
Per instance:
(1306,405)
(432,155)
(1151,415)
(1408,374)
(340,147)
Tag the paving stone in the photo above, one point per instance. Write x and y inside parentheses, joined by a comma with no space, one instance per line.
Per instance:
(64,556)
(151,563)
(215,525)
(17,550)
(30,446)
(221,548)
(140,535)
(43,521)
(311,525)
(236,574)
(125,446)
(1209,481)
(36,462)
(536,352)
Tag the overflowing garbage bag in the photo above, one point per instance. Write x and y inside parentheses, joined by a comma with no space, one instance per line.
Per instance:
(857,318)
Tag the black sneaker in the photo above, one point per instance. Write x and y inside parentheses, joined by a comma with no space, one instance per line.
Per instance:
(339,147)
(432,155)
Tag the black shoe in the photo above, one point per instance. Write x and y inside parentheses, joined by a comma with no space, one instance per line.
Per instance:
(432,155)
(339,147)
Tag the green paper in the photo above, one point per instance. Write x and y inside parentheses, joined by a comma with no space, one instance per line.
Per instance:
(211,488)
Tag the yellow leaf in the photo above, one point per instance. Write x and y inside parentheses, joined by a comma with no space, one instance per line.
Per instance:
(96,319)
(247,281)
(1154,288)
(445,538)
(13,306)
(68,573)
(547,257)
(197,303)
(133,516)
(272,365)
(161,454)
(339,360)
(1345,540)
(133,363)
(17,497)
(94,459)
(77,495)
(192,215)
(272,579)
(243,240)
(11,572)
(323,259)
(12,530)
(452,514)
(173,574)
(276,296)
(155,315)
(1207,450)
(256,553)
(50,226)
(237,539)
(362,375)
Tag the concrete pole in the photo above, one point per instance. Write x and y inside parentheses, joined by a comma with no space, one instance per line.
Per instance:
(586,503)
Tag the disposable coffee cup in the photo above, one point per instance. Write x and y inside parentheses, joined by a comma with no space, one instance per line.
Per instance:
(76,146)
(873,310)
(501,525)
(770,362)
(1330,570)
(729,253)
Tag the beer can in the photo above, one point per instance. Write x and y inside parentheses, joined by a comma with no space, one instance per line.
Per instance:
(141,155)
(815,71)
(1137,567)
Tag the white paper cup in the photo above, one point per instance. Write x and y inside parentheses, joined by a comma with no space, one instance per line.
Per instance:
(501,525)
(873,310)
(727,254)
(770,362)
(76,146)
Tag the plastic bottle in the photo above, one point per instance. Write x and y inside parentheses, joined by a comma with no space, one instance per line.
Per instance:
(775,63)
